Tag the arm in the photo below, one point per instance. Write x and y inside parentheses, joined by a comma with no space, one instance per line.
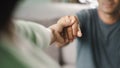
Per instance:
(35,33)
(41,36)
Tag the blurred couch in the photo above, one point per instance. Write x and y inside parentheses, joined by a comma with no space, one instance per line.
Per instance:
(48,14)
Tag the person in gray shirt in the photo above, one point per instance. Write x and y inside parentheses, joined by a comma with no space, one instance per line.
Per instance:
(100,35)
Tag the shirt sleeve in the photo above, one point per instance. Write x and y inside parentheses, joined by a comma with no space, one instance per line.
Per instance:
(36,33)
(82,17)
(84,20)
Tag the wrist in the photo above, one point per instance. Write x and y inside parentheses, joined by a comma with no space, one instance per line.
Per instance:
(53,36)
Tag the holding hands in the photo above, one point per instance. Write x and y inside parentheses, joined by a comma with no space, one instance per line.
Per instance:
(66,30)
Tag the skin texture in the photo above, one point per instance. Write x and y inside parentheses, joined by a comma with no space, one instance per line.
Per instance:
(65,30)
(58,30)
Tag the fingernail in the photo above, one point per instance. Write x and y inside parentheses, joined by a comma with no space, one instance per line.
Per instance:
(79,34)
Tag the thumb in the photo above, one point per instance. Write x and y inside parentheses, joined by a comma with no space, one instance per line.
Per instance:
(79,33)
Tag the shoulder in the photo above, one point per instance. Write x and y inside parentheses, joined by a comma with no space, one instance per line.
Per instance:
(86,12)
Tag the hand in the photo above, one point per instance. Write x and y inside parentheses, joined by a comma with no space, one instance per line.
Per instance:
(72,31)
(58,30)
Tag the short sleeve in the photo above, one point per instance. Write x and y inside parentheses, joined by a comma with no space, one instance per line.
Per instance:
(83,17)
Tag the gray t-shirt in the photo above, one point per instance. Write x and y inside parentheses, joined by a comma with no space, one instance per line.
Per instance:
(103,39)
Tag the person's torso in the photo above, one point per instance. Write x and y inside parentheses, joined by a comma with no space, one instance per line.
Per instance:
(104,40)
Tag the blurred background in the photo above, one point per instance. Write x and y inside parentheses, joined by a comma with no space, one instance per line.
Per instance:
(47,12)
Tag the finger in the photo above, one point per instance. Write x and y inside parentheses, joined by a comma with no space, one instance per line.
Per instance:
(66,38)
(60,39)
(70,34)
(79,33)
(68,21)
(75,29)
(74,26)
(65,35)
(65,22)
(73,19)
(69,29)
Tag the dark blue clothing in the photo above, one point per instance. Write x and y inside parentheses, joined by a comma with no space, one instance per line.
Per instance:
(102,41)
